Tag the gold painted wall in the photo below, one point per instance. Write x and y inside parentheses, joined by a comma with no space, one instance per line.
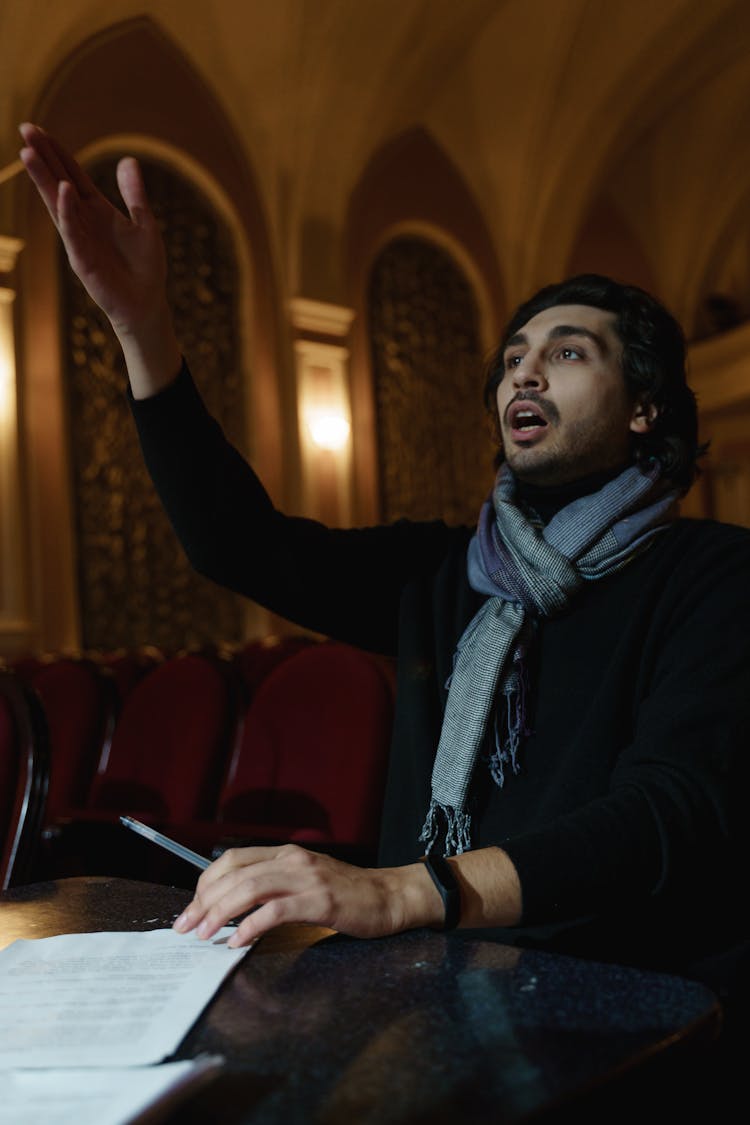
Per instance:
(528,137)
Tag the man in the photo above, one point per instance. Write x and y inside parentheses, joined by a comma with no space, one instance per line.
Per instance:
(573,676)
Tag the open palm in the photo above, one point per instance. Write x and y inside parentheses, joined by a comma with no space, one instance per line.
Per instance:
(119,259)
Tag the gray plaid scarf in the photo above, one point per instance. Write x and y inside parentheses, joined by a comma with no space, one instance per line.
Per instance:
(528,572)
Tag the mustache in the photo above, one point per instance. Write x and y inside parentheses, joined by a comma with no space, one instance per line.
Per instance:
(550,411)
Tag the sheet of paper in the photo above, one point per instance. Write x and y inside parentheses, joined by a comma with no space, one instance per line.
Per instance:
(102,1096)
(106,999)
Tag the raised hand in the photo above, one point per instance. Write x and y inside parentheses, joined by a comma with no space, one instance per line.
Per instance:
(120,259)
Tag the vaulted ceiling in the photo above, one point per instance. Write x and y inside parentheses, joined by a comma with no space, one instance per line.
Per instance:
(547,108)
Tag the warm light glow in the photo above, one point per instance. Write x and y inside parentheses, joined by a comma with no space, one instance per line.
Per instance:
(7,362)
(324,415)
(328,430)
(14,624)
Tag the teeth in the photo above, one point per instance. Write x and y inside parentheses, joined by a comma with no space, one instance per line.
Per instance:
(525,419)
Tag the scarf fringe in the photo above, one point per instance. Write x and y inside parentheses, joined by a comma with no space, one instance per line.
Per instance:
(515,727)
(457,829)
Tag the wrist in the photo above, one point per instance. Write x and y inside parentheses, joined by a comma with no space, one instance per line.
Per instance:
(152,352)
(412,897)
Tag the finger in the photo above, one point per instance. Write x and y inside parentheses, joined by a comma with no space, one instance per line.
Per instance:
(61,162)
(207,918)
(69,224)
(44,181)
(36,138)
(50,167)
(231,860)
(133,190)
(246,888)
(292,908)
(41,144)
(237,893)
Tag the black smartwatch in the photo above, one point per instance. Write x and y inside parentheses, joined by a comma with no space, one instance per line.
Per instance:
(445,881)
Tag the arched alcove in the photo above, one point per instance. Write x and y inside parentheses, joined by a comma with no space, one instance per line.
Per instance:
(412,193)
(132,81)
(135,585)
(427,364)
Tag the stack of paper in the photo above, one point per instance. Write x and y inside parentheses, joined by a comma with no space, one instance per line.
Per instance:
(86,1020)
(101,1096)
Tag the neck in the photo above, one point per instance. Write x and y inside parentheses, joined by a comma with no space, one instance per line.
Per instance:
(547,500)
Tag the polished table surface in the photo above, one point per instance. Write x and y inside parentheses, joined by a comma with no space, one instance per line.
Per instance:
(421,1027)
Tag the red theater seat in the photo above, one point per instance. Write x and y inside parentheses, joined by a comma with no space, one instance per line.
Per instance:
(24,766)
(256,659)
(128,667)
(171,742)
(80,706)
(168,754)
(311,761)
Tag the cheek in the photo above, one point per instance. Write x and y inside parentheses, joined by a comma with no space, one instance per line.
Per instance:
(502,397)
(608,422)
(595,405)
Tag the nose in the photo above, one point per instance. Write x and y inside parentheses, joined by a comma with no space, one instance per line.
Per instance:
(530,372)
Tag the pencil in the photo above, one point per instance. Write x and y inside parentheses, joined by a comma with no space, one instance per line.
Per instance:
(165,842)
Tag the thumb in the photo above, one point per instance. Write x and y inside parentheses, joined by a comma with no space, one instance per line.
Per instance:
(132,190)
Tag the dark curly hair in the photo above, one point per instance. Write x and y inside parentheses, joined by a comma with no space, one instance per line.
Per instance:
(653,366)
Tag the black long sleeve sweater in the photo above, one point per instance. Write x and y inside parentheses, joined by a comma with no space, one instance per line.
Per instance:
(626,821)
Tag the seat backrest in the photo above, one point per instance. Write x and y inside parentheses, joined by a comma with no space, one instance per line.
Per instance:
(80,704)
(257,658)
(171,743)
(129,666)
(313,752)
(24,773)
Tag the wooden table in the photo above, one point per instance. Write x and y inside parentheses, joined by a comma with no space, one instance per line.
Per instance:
(421,1027)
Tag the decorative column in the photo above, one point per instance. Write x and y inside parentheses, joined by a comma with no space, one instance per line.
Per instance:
(15,628)
(324,408)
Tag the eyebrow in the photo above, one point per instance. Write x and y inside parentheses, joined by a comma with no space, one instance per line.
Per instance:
(560,331)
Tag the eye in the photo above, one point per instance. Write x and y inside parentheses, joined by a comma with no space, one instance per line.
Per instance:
(569,352)
(512,361)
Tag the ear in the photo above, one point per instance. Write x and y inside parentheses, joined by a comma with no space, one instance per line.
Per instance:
(643,418)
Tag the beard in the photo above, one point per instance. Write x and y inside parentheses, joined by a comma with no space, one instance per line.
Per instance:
(567,454)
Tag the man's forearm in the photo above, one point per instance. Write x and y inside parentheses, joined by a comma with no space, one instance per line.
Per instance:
(490,888)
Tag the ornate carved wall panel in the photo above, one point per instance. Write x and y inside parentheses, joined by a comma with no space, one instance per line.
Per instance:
(135,583)
(434,448)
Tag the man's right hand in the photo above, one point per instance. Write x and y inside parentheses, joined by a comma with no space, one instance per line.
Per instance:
(120,259)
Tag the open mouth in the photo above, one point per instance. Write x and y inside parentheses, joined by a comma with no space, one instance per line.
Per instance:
(526,420)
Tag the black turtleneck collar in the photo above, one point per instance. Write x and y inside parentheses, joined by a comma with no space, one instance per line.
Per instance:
(546,500)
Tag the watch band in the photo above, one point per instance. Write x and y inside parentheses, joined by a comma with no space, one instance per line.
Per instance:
(445,881)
